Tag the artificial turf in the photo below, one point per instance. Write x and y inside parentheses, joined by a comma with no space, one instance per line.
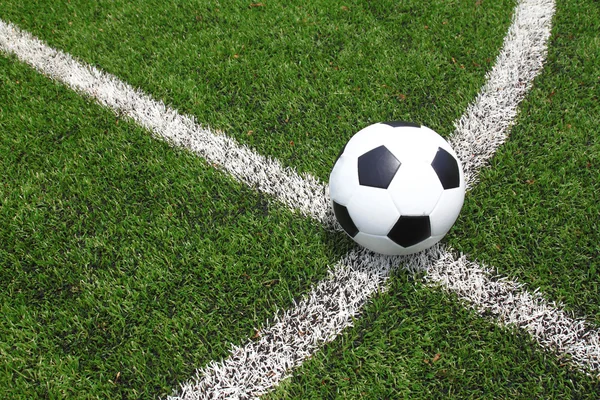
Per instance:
(293,80)
(535,215)
(416,342)
(127,263)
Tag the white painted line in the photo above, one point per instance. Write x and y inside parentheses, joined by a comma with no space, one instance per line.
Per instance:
(257,367)
(301,192)
(485,124)
(512,305)
(329,308)
(260,365)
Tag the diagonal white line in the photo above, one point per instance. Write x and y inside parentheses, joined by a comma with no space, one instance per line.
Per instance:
(512,305)
(485,124)
(259,365)
(329,308)
(301,192)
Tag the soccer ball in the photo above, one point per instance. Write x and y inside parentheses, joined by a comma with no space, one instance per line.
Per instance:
(397,188)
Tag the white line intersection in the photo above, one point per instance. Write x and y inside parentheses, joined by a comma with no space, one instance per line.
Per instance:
(258,366)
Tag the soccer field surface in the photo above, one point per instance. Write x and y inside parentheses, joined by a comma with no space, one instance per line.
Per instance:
(206,263)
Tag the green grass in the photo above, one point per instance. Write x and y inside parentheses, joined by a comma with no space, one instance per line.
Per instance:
(418,343)
(536,215)
(122,256)
(300,78)
(125,264)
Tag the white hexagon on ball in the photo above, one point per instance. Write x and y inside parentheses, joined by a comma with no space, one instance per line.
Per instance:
(416,188)
(447,210)
(345,185)
(382,212)
(397,188)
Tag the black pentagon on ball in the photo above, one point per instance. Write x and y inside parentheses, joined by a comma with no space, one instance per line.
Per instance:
(343,217)
(377,168)
(446,167)
(398,124)
(410,230)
